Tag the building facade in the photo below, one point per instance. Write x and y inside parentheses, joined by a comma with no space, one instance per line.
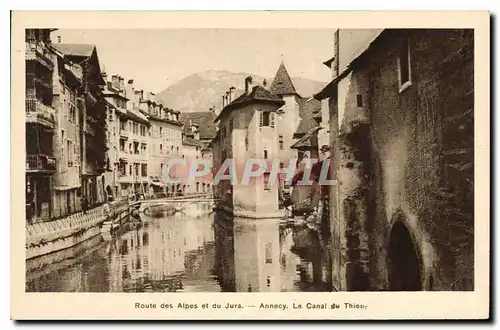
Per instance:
(69,105)
(92,121)
(403,132)
(133,150)
(116,112)
(165,140)
(40,126)
(247,129)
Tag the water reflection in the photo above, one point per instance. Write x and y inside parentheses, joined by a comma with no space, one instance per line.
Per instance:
(185,252)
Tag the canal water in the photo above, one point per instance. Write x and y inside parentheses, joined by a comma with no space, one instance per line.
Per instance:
(194,251)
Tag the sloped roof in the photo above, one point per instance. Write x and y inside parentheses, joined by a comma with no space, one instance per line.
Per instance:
(258,94)
(282,83)
(204,120)
(304,143)
(307,109)
(83,50)
(189,141)
(137,116)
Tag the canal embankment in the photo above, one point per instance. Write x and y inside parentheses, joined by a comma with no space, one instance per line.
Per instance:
(47,237)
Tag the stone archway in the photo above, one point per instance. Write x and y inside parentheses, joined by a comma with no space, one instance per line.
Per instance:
(404,261)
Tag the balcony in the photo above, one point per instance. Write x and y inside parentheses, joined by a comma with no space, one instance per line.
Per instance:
(124,133)
(39,113)
(40,163)
(38,52)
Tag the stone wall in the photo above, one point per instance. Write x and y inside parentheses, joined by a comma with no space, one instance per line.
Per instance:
(406,157)
(46,237)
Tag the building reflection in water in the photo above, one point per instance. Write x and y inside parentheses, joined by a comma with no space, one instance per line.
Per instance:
(265,255)
(191,252)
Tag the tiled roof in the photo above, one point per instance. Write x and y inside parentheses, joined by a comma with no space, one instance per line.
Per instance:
(282,83)
(83,50)
(304,143)
(189,141)
(307,109)
(137,116)
(204,120)
(258,94)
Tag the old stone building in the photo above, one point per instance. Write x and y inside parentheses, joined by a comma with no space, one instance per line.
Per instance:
(115,95)
(403,132)
(199,130)
(68,103)
(40,125)
(92,120)
(247,130)
(165,139)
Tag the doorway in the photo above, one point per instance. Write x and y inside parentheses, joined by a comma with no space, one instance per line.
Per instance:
(404,265)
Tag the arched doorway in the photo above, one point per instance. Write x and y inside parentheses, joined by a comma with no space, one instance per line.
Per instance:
(404,265)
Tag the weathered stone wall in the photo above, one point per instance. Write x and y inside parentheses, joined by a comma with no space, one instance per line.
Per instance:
(422,140)
(407,156)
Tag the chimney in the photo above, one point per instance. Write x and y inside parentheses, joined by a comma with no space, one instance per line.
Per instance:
(248,85)
(115,81)
(122,84)
(59,39)
(129,93)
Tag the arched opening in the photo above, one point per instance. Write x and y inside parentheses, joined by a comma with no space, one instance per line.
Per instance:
(404,265)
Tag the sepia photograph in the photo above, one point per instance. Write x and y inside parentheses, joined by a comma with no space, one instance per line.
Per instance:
(254,160)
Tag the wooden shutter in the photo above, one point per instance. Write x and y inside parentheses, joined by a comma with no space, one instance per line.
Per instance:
(261,118)
(271,119)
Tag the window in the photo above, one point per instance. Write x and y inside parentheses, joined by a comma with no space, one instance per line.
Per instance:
(359,100)
(130,148)
(269,253)
(144,170)
(136,165)
(122,145)
(161,148)
(70,153)
(62,144)
(130,169)
(264,118)
(161,131)
(136,148)
(280,141)
(72,107)
(143,148)
(267,186)
(404,65)
(265,153)
(123,169)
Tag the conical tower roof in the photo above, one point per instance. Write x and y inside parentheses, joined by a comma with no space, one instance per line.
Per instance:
(282,83)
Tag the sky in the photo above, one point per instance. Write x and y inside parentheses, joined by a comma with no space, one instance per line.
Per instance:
(157,58)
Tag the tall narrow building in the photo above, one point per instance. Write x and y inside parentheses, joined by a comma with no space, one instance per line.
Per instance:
(93,120)
(247,130)
(40,126)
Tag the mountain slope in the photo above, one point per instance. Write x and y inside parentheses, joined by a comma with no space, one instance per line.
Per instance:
(201,91)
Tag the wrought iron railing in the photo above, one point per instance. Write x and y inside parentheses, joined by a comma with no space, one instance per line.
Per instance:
(38,52)
(37,112)
(35,162)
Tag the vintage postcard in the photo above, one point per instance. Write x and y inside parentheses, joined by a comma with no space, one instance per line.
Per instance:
(250,165)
